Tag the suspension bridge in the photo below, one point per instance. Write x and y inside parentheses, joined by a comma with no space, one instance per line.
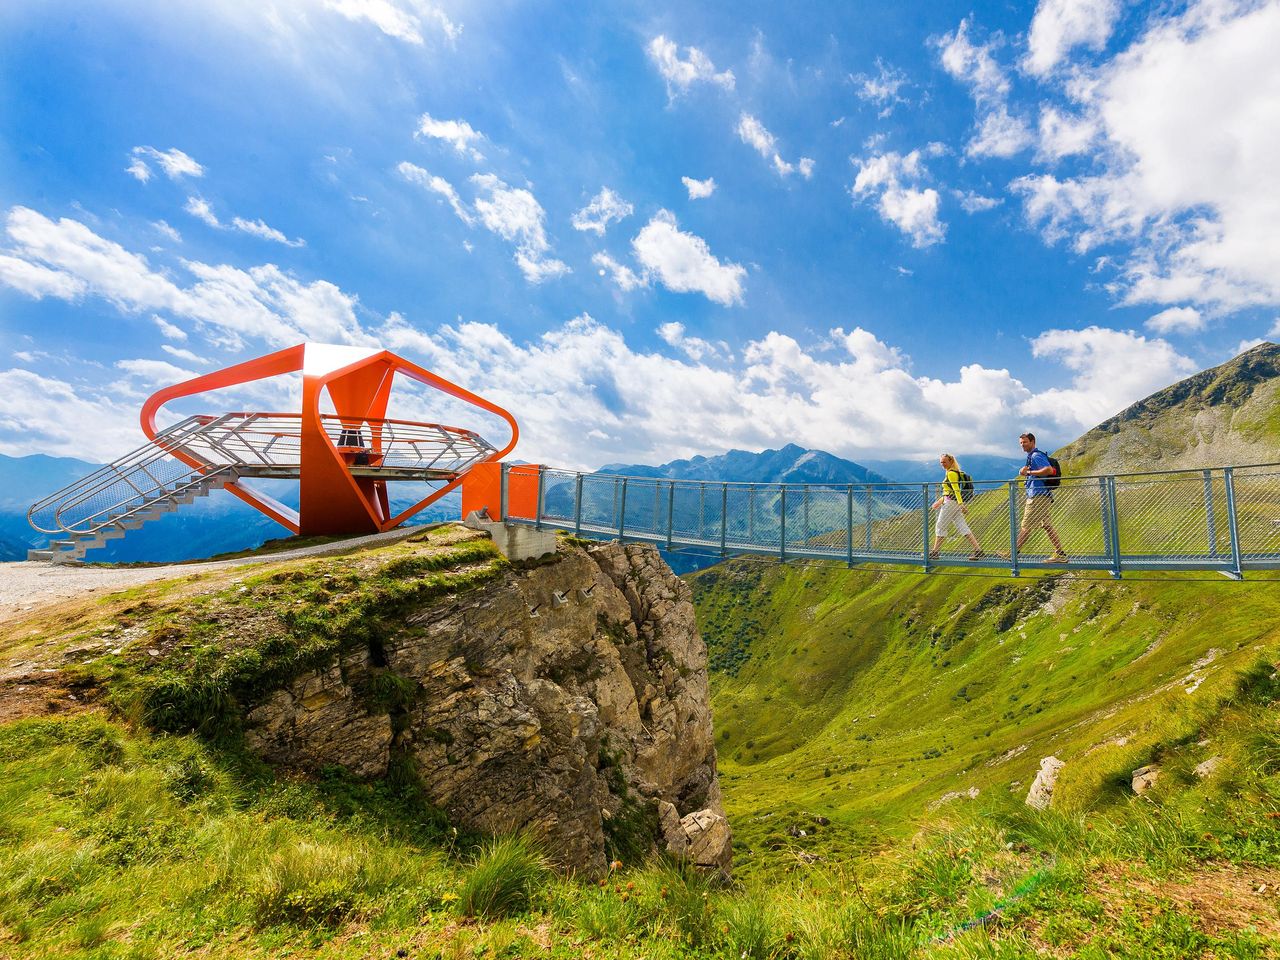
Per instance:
(1222,519)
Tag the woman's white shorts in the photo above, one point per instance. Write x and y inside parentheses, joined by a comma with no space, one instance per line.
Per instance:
(951,520)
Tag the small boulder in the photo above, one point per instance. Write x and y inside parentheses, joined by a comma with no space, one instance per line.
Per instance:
(1144,778)
(1207,768)
(1041,792)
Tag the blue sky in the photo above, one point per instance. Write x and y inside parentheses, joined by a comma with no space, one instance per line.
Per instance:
(649,230)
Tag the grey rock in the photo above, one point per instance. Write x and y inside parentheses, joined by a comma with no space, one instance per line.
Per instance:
(1041,793)
(1144,778)
(1207,768)
(588,714)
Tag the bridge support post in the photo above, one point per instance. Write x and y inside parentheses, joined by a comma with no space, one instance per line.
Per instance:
(848,538)
(1233,523)
(724,518)
(782,532)
(671,511)
(1113,545)
(622,511)
(1210,524)
(504,492)
(577,506)
(1013,527)
(542,493)
(924,523)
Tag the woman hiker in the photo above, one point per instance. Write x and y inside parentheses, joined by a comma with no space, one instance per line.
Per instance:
(953,509)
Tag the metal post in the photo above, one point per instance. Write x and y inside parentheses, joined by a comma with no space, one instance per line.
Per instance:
(1013,527)
(1105,513)
(724,517)
(924,520)
(622,511)
(1114,546)
(671,510)
(848,540)
(503,495)
(782,536)
(1208,512)
(537,511)
(1233,521)
(577,506)
(867,525)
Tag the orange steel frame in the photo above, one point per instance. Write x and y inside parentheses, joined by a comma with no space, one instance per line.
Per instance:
(331,500)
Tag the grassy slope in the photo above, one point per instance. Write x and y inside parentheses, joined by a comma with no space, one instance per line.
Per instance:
(865,697)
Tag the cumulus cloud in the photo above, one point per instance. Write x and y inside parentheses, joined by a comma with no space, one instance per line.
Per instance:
(1060,25)
(1176,320)
(1111,369)
(680,74)
(699,189)
(1062,135)
(173,162)
(971,202)
(515,215)
(684,263)
(457,133)
(261,303)
(622,276)
(881,89)
(999,133)
(895,183)
(695,348)
(605,208)
(415,174)
(395,20)
(1183,175)
(753,133)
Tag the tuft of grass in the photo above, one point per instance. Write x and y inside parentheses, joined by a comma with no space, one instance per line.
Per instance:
(507,875)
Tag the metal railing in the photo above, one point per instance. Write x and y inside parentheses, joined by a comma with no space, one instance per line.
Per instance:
(1225,519)
(251,444)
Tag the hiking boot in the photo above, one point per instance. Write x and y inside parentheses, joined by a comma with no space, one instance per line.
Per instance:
(1058,557)
(933,554)
(977,555)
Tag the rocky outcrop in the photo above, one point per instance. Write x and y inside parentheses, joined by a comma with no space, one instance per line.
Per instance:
(1144,778)
(570,699)
(1041,793)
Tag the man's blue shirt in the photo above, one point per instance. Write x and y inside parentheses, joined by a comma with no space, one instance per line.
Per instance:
(1037,460)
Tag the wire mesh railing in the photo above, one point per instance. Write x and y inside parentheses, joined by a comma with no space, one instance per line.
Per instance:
(1225,519)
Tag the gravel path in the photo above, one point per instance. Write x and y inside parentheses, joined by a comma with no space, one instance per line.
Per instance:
(26,585)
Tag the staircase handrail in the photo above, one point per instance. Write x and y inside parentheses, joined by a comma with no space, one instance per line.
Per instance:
(193,480)
(119,468)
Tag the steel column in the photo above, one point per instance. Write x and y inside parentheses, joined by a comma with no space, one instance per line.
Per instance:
(1013,527)
(782,538)
(724,518)
(848,539)
(577,506)
(503,496)
(1233,521)
(542,490)
(1208,513)
(1114,546)
(622,511)
(924,519)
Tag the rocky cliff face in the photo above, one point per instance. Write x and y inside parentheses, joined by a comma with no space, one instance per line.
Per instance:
(570,698)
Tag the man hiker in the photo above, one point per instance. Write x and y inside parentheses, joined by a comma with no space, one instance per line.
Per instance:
(1039,497)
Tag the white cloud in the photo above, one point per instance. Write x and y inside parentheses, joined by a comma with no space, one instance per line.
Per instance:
(971,202)
(895,181)
(1176,320)
(623,276)
(39,281)
(1060,25)
(679,74)
(753,133)
(457,133)
(1184,164)
(695,348)
(396,21)
(261,303)
(882,89)
(154,373)
(40,414)
(605,208)
(415,174)
(183,354)
(684,263)
(162,227)
(699,189)
(999,133)
(1062,135)
(259,229)
(515,215)
(168,330)
(173,162)
(200,208)
(1111,369)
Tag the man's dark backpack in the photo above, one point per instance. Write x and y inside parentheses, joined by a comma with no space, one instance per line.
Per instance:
(1051,482)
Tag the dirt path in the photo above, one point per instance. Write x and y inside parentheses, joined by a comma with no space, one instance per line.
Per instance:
(26,585)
